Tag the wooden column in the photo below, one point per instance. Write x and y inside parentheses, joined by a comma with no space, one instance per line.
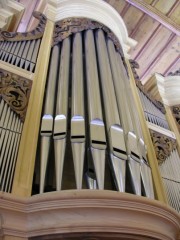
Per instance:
(27,152)
(157,180)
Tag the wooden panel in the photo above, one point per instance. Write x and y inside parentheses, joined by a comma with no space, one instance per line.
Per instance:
(119,5)
(131,18)
(148,1)
(153,48)
(175,16)
(164,6)
(171,53)
(142,35)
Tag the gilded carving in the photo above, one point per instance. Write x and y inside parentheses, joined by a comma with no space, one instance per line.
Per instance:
(176,113)
(15,91)
(34,34)
(163,145)
(134,66)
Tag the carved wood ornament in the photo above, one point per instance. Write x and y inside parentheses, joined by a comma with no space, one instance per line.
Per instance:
(15,91)
(68,26)
(163,145)
(134,66)
(176,113)
(21,36)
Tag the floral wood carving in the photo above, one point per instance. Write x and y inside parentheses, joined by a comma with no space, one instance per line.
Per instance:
(15,91)
(34,34)
(134,66)
(68,26)
(176,113)
(163,145)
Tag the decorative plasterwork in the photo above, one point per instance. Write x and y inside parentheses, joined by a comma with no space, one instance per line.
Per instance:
(176,113)
(88,211)
(15,91)
(163,145)
(96,10)
(169,89)
(34,34)
(158,104)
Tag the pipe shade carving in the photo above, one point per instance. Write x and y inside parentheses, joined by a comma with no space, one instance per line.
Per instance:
(15,91)
(34,34)
(176,113)
(163,145)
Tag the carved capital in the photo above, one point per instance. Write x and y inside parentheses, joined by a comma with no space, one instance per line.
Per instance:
(163,145)
(34,34)
(176,113)
(15,91)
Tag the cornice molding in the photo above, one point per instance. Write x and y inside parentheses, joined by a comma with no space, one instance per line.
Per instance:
(88,211)
(97,10)
(169,89)
(15,91)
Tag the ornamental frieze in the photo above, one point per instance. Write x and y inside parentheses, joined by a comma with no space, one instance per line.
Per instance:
(163,145)
(15,91)
(176,113)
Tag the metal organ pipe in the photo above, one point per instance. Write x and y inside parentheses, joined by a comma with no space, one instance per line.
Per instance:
(77,110)
(47,119)
(61,118)
(96,123)
(113,125)
(8,135)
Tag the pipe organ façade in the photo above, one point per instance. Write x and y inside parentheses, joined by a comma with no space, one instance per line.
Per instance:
(88,116)
(90,135)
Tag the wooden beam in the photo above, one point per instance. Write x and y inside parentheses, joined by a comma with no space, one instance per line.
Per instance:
(154,61)
(171,66)
(157,15)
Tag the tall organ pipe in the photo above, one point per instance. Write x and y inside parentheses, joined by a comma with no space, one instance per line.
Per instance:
(47,119)
(77,110)
(113,125)
(60,123)
(97,128)
(121,98)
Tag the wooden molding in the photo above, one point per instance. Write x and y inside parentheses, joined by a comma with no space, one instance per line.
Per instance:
(22,184)
(94,212)
(157,15)
(157,180)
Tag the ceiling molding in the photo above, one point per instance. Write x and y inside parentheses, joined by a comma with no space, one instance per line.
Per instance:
(157,15)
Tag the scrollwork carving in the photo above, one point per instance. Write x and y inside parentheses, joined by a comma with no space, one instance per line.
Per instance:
(66,27)
(34,34)
(15,91)
(176,113)
(163,145)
